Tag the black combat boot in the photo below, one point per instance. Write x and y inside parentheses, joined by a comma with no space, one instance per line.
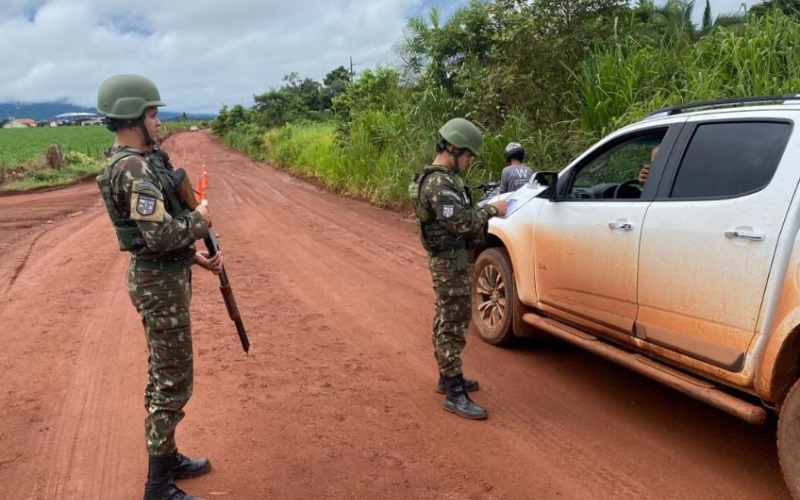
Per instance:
(469,385)
(458,401)
(187,468)
(160,481)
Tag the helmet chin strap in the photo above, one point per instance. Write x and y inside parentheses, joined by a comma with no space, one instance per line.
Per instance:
(148,139)
(458,153)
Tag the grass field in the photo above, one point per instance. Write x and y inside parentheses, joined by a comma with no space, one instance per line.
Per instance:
(78,166)
(22,153)
(22,145)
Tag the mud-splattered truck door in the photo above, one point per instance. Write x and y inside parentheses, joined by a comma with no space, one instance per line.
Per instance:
(710,235)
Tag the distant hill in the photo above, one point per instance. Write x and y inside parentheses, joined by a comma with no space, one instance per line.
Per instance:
(39,111)
(47,110)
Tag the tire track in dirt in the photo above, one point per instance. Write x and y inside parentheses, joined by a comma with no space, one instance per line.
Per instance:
(21,266)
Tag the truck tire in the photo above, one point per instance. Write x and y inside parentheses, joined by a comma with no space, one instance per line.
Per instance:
(496,309)
(789,440)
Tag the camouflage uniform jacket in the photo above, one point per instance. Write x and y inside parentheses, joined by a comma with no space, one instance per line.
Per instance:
(142,197)
(448,220)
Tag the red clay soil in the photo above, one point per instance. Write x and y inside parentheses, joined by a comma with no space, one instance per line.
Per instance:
(336,398)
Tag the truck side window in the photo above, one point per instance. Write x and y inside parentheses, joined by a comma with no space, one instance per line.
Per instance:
(724,160)
(617,172)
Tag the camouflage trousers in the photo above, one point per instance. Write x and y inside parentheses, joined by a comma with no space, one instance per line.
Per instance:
(162,297)
(451,286)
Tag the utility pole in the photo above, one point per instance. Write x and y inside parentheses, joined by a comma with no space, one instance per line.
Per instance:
(352,73)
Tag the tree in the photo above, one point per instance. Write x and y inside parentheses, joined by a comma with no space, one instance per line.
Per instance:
(298,99)
(537,45)
(335,83)
(789,7)
(340,74)
(237,115)
(707,22)
(373,89)
(671,22)
(564,15)
(730,20)
(220,124)
(442,54)
(273,108)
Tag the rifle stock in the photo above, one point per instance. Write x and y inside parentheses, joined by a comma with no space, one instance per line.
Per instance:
(212,244)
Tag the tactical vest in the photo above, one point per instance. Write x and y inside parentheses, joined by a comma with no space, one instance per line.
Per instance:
(434,235)
(128,235)
(163,170)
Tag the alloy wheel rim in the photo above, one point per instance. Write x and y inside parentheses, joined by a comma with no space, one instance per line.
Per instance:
(492,301)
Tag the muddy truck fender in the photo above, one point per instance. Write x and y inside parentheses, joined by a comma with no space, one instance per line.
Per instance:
(775,352)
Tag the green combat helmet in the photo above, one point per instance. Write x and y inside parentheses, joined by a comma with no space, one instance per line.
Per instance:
(462,134)
(126,97)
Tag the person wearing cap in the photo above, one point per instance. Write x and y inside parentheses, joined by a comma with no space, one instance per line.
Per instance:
(516,174)
(159,231)
(449,225)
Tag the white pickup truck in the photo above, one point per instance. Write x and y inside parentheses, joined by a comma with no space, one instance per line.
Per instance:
(670,247)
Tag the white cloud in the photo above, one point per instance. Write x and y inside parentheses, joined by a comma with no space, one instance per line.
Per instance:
(201,53)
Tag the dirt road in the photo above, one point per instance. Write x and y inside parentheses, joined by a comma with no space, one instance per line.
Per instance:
(335,399)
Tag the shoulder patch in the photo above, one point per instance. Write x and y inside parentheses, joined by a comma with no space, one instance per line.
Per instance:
(448,211)
(146,205)
(147,202)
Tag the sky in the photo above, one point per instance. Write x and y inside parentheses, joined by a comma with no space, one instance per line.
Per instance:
(201,53)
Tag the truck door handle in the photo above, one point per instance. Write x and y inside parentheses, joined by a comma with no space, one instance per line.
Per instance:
(742,235)
(620,225)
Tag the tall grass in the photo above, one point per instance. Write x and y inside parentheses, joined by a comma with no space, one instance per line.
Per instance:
(384,151)
(246,137)
(621,83)
(368,166)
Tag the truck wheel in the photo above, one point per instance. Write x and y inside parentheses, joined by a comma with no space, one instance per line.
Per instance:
(493,297)
(789,440)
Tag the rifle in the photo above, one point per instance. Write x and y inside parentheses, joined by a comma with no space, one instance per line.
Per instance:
(187,195)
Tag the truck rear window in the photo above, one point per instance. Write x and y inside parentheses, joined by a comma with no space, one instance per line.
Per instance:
(730,159)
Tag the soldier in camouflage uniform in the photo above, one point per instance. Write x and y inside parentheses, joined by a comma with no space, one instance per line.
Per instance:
(159,231)
(449,225)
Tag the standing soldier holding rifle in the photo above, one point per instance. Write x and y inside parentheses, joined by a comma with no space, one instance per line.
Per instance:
(159,231)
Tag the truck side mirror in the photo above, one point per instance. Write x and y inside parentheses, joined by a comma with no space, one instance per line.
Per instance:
(549,179)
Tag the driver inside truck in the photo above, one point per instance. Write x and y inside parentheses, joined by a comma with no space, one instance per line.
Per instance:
(644,172)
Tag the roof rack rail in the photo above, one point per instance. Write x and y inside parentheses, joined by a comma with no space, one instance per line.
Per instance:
(722,103)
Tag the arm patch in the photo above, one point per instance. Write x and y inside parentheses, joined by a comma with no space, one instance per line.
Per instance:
(147,202)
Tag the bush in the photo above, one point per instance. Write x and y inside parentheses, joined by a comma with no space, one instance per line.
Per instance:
(623,82)
(246,137)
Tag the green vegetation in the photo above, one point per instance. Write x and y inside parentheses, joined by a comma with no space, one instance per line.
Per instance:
(22,153)
(77,165)
(553,75)
(174,126)
(361,168)
(22,145)
(619,83)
